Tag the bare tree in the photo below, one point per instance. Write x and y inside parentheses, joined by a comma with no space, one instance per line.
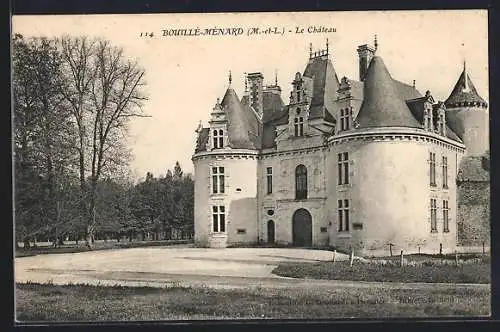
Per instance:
(103,90)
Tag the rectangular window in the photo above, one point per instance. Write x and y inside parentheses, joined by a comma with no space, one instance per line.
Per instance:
(344,119)
(432,168)
(339,168)
(343,211)
(218,219)
(218,180)
(215,218)
(433,215)
(343,168)
(341,214)
(241,231)
(323,229)
(222,219)
(218,137)
(446,221)
(342,127)
(299,126)
(269,176)
(445,172)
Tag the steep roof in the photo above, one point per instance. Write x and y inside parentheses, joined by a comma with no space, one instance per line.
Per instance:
(406,91)
(273,104)
(382,105)
(325,86)
(356,89)
(275,113)
(242,124)
(464,93)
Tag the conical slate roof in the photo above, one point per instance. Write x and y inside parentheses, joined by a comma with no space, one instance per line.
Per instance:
(464,94)
(382,106)
(242,125)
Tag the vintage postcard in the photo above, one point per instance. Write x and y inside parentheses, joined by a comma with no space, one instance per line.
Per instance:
(307,165)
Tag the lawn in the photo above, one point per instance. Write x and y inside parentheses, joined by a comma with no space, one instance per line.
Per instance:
(425,270)
(36,302)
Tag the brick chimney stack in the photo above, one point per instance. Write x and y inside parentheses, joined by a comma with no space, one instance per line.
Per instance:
(365,53)
(255,81)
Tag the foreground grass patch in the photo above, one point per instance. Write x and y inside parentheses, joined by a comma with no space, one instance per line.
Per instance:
(36,302)
(479,273)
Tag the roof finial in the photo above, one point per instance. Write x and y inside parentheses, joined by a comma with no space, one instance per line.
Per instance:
(230,77)
(276,77)
(375,42)
(466,78)
(326,46)
(246,82)
(414,84)
(199,128)
(310,50)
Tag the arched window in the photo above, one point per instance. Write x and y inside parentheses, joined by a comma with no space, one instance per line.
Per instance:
(300,182)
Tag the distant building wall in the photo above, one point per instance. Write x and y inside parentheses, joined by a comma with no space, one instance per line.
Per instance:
(474,213)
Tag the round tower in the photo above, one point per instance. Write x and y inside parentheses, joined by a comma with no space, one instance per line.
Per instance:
(468,115)
(225,170)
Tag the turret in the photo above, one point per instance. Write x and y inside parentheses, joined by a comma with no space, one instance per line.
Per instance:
(467,113)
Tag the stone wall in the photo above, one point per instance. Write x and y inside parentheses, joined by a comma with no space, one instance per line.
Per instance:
(473,213)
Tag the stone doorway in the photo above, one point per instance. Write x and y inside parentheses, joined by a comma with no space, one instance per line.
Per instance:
(302,228)
(270,231)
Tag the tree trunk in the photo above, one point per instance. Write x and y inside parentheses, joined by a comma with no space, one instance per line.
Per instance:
(27,244)
(89,237)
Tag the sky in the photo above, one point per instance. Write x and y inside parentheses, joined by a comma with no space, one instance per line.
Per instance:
(186,74)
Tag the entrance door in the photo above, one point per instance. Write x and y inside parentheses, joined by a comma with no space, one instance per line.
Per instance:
(270,231)
(302,228)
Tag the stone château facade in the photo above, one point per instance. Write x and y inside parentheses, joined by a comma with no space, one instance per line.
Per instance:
(346,163)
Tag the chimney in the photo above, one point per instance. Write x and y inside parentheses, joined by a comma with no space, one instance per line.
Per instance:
(365,53)
(255,81)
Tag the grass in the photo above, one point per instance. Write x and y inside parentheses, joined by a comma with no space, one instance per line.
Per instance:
(97,246)
(45,302)
(431,271)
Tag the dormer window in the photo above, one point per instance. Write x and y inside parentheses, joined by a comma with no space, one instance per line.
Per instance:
(299,126)
(344,119)
(442,121)
(218,137)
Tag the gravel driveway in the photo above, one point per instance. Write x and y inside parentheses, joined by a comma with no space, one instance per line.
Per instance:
(163,266)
